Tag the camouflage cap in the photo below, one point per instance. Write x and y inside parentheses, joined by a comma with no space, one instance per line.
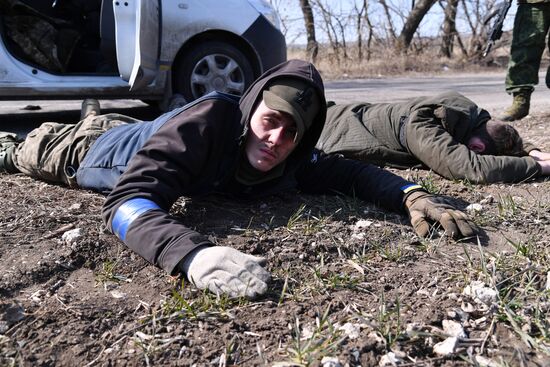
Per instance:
(296,97)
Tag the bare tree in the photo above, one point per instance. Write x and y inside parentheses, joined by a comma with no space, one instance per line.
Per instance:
(449,29)
(390,29)
(475,12)
(420,9)
(312,47)
(358,27)
(334,27)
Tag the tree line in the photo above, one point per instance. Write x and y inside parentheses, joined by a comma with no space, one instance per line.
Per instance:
(396,25)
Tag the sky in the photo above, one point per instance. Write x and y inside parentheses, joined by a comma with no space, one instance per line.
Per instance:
(291,16)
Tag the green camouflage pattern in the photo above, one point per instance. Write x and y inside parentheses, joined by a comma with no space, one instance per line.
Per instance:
(528,42)
(41,40)
(53,151)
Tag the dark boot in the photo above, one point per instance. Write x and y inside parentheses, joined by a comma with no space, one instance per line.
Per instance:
(90,106)
(8,143)
(519,108)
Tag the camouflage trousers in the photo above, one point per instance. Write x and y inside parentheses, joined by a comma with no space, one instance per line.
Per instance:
(53,151)
(531,26)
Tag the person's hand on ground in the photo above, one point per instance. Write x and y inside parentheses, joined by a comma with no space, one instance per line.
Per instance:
(544,167)
(425,208)
(539,156)
(226,270)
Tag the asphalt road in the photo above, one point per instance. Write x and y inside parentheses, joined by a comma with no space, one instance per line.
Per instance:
(486,89)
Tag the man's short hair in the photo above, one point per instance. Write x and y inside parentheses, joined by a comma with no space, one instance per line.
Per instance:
(500,138)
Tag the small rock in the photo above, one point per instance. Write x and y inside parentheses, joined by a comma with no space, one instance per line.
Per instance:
(330,362)
(361,224)
(72,236)
(118,294)
(486,362)
(351,330)
(480,293)
(358,236)
(474,208)
(4,326)
(453,328)
(75,207)
(446,347)
(480,321)
(389,359)
(548,281)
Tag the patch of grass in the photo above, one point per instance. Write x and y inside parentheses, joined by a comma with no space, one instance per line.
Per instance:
(391,252)
(428,183)
(303,220)
(522,248)
(507,207)
(108,273)
(388,320)
(520,282)
(324,340)
(203,304)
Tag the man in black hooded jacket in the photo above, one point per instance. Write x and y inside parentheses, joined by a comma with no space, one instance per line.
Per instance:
(260,144)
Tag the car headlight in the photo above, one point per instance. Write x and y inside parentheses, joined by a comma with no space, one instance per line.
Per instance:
(265,8)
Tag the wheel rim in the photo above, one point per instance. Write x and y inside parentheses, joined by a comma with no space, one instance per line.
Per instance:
(217,72)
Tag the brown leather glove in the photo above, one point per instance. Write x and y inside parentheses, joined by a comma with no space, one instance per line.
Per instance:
(425,208)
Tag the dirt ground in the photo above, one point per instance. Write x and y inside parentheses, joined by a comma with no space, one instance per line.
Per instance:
(352,284)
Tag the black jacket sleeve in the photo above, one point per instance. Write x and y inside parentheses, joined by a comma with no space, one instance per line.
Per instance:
(334,174)
(176,161)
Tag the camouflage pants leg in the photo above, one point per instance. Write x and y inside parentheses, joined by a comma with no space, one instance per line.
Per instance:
(53,151)
(528,42)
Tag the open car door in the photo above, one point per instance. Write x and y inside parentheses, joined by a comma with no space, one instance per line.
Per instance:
(137,33)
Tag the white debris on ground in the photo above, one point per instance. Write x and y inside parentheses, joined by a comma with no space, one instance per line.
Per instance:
(480,293)
(474,208)
(72,236)
(447,346)
(330,362)
(360,226)
(453,328)
(351,330)
(390,359)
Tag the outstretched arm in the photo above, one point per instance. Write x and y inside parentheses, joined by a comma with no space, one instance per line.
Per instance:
(172,164)
(430,143)
(334,174)
(539,156)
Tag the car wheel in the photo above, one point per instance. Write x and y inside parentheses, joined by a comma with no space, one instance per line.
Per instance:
(213,66)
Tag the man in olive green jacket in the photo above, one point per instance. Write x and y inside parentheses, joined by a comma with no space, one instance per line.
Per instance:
(531,25)
(447,133)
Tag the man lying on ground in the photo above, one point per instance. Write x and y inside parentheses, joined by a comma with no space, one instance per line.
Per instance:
(447,133)
(256,146)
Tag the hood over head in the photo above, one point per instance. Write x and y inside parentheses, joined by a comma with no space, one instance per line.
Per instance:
(294,87)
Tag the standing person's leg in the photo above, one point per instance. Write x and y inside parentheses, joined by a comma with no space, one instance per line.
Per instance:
(53,151)
(528,43)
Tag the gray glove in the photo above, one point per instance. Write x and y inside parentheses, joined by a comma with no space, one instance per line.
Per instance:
(226,270)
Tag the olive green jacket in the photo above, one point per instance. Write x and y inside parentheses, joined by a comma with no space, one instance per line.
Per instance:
(533,1)
(429,131)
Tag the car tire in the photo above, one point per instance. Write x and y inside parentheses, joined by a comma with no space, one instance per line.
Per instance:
(212,66)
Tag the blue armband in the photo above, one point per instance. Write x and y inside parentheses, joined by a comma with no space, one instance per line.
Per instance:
(128,212)
(410,187)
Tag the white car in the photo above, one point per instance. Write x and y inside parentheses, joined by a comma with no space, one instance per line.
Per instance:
(142,49)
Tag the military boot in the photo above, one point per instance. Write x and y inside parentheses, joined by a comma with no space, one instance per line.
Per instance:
(90,106)
(8,143)
(519,108)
